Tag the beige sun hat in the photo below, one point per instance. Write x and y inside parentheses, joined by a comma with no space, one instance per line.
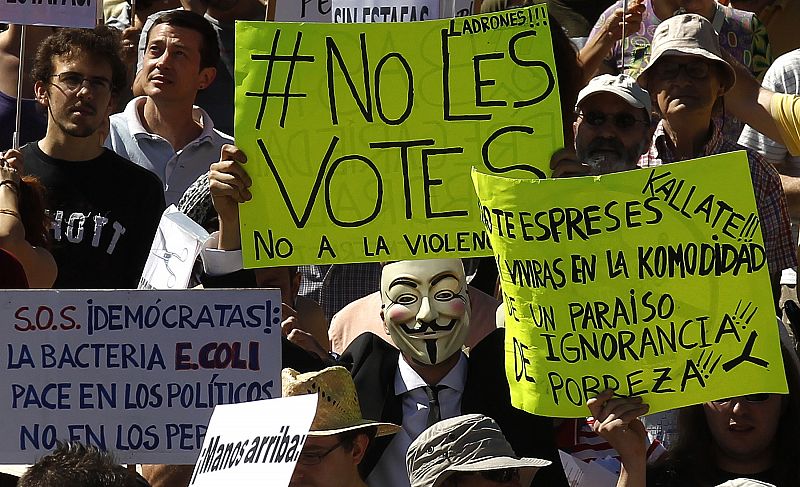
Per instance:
(687,35)
(469,443)
(337,408)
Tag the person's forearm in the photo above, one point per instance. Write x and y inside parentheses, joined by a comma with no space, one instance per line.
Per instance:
(749,102)
(229,234)
(633,475)
(594,53)
(11,227)
(791,188)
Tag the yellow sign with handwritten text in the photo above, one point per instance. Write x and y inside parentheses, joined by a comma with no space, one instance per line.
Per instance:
(652,282)
(360,137)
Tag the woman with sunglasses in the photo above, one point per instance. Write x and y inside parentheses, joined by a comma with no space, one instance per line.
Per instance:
(752,436)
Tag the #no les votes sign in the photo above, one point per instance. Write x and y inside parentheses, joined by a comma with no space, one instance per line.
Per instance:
(360,137)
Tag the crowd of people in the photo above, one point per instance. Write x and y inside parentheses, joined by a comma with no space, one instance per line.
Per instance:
(122,120)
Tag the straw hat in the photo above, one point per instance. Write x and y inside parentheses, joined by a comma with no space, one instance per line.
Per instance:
(337,408)
(687,35)
(469,443)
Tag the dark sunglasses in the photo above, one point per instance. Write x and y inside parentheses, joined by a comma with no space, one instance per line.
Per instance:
(622,120)
(760,397)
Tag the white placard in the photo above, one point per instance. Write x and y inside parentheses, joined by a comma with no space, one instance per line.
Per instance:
(176,245)
(456,8)
(60,13)
(303,10)
(377,11)
(583,474)
(255,443)
(321,10)
(137,372)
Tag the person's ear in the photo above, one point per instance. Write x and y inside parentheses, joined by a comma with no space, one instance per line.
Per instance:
(40,91)
(360,444)
(383,319)
(206,77)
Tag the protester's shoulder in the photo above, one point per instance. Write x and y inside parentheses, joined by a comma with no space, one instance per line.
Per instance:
(740,20)
(367,345)
(34,157)
(132,173)
(788,63)
(221,138)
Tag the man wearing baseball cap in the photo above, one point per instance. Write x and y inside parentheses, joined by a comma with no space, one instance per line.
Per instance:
(339,435)
(468,451)
(612,130)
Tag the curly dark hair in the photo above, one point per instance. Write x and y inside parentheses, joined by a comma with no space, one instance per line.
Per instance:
(73,464)
(100,43)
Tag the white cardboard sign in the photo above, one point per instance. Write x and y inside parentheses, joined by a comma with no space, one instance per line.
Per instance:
(60,13)
(378,11)
(254,443)
(321,10)
(137,372)
(176,245)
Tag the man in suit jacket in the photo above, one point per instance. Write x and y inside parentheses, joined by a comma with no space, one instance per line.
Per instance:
(426,312)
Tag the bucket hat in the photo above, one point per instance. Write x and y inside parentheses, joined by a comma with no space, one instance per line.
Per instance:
(687,35)
(469,443)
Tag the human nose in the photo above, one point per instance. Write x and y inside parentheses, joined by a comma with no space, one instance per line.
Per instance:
(85,89)
(426,311)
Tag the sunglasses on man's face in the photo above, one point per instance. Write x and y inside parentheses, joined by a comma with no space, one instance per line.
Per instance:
(760,397)
(621,120)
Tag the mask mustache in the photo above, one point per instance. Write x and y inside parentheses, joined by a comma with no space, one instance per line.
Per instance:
(423,327)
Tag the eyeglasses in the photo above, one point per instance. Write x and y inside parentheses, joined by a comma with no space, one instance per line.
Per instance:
(500,475)
(622,120)
(670,69)
(760,397)
(309,458)
(73,82)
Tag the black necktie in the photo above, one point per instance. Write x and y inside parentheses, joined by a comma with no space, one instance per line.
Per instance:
(434,414)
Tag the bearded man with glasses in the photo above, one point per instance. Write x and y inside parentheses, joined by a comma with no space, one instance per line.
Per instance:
(104,208)
(612,130)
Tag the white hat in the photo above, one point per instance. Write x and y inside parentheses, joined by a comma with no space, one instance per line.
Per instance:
(621,85)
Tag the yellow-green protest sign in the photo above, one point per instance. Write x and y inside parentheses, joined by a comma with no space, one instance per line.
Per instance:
(360,137)
(652,282)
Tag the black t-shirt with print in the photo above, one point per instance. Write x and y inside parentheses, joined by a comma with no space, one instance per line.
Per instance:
(104,213)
